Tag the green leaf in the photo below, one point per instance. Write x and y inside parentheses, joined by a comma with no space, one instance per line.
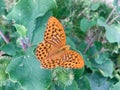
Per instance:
(73,86)
(115,3)
(116,86)
(71,43)
(87,62)
(82,46)
(118,9)
(101,58)
(83,83)
(92,50)
(113,33)
(38,33)
(26,70)
(78,73)
(26,11)
(101,21)
(21,30)
(10,49)
(85,24)
(95,6)
(2,7)
(98,45)
(5,83)
(97,82)
(59,87)
(4,61)
(9,85)
(105,67)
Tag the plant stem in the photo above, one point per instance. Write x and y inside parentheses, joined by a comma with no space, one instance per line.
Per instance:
(110,15)
(81,13)
(108,20)
(4,38)
(99,36)
(89,44)
(113,19)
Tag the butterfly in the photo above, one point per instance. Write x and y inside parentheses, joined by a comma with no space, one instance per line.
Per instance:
(53,51)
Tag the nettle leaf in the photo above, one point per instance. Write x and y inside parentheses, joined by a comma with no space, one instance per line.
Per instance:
(115,3)
(98,45)
(101,21)
(26,11)
(26,70)
(70,42)
(58,87)
(9,85)
(97,82)
(5,83)
(116,86)
(78,73)
(38,33)
(21,30)
(4,61)
(118,9)
(2,7)
(101,58)
(95,6)
(73,86)
(10,49)
(105,67)
(100,62)
(85,24)
(87,61)
(112,31)
(83,83)
(82,46)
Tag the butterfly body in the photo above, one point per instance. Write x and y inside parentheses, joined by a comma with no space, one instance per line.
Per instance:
(54,52)
(58,52)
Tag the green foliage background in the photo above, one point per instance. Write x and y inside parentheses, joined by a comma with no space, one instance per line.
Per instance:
(92,29)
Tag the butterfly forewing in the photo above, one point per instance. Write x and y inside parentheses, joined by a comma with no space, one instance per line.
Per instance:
(71,59)
(54,33)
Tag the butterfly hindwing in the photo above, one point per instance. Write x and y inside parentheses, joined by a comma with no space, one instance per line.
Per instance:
(50,63)
(71,59)
(54,33)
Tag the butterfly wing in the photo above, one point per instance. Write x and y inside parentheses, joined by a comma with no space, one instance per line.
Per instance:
(54,33)
(48,56)
(54,39)
(50,63)
(71,59)
(45,50)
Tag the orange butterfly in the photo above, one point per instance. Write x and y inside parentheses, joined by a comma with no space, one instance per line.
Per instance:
(54,52)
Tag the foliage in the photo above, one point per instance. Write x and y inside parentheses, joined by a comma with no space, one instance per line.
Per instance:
(92,29)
